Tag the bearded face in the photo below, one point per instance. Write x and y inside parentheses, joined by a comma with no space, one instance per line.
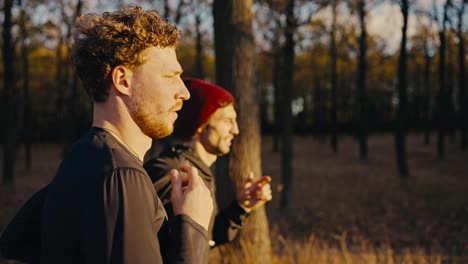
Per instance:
(157,93)
(151,117)
(217,135)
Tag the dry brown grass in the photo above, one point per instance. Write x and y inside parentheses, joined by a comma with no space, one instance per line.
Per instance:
(312,250)
(343,210)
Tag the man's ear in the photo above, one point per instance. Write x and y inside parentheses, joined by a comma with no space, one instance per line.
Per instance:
(121,79)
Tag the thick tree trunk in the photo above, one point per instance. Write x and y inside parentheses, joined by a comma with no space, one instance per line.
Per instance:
(402,113)
(286,111)
(9,144)
(361,83)
(234,47)
(333,81)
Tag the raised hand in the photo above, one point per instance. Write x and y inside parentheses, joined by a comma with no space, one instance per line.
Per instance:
(254,194)
(193,198)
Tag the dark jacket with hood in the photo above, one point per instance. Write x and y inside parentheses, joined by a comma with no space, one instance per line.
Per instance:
(224,224)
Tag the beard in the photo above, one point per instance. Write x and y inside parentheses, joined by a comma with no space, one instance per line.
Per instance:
(150,117)
(218,147)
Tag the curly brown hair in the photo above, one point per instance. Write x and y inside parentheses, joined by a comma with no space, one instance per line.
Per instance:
(105,41)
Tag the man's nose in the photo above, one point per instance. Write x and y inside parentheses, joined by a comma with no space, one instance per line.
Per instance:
(235,128)
(182,92)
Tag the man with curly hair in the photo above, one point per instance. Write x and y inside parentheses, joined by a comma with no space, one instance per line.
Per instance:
(101,207)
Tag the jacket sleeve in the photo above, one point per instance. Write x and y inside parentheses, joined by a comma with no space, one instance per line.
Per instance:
(158,171)
(185,242)
(182,240)
(122,227)
(228,222)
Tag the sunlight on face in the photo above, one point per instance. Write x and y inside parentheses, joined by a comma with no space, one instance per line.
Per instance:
(220,130)
(158,93)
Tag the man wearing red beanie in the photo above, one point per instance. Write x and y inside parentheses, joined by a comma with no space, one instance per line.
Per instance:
(207,125)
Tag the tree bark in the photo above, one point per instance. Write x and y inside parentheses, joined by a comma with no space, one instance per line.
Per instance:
(9,144)
(234,47)
(361,83)
(402,113)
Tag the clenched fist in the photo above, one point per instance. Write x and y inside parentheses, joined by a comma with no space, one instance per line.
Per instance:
(191,196)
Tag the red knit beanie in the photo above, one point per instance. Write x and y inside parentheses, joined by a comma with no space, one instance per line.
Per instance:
(205,99)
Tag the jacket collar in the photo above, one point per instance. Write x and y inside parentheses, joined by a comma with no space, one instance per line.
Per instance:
(190,155)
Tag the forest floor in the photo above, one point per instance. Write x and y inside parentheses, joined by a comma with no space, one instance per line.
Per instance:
(337,200)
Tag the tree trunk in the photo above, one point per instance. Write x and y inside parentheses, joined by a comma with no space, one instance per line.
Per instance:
(427,96)
(286,111)
(59,74)
(333,81)
(402,113)
(178,14)
(441,98)
(179,11)
(361,83)
(414,98)
(463,96)
(9,144)
(166,9)
(277,64)
(71,81)
(234,47)
(27,102)
(451,122)
(319,111)
(199,49)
